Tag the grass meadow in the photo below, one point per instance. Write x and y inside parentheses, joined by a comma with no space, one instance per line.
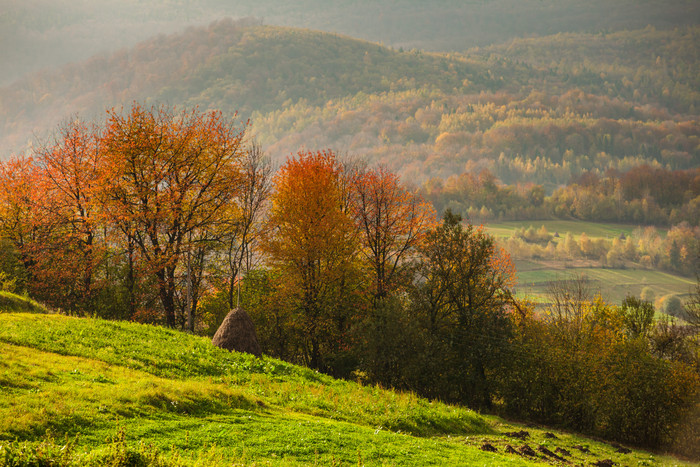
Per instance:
(592,229)
(614,285)
(81,391)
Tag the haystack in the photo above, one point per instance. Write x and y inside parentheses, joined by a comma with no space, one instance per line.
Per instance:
(237,332)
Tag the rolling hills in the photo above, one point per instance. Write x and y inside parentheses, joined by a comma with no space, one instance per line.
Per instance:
(578,93)
(232,66)
(537,110)
(47,33)
(80,391)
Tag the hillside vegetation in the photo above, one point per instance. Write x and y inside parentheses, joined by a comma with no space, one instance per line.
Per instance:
(53,32)
(85,391)
(534,110)
(231,66)
(534,120)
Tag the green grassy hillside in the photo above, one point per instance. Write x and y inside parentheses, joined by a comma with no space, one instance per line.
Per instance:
(81,391)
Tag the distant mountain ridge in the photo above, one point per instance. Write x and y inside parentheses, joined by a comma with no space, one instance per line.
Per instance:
(228,65)
(538,110)
(36,34)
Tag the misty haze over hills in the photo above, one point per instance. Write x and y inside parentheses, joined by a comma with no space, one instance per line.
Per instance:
(599,94)
(36,34)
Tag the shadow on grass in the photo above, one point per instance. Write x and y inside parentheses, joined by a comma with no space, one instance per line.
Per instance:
(14,303)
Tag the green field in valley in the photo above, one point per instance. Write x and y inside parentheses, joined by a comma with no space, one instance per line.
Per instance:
(561,227)
(80,391)
(613,285)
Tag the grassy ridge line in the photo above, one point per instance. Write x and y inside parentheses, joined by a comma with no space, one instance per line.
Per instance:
(199,405)
(175,355)
(74,395)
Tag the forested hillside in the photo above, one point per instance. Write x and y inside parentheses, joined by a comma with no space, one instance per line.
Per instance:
(535,122)
(533,110)
(45,33)
(232,66)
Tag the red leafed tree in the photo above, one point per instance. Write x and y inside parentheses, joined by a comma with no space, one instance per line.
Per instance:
(168,177)
(71,251)
(19,222)
(392,221)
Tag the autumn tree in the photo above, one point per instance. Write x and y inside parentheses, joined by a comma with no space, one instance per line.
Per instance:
(311,241)
(392,222)
(18,218)
(638,316)
(169,175)
(692,306)
(568,311)
(69,207)
(243,232)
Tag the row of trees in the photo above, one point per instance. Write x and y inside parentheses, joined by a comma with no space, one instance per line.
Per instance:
(428,307)
(604,369)
(677,251)
(452,331)
(161,216)
(124,220)
(339,238)
(643,194)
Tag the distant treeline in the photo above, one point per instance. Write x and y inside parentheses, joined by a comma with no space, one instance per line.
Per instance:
(643,195)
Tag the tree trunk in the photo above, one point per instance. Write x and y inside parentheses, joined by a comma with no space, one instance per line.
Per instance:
(131,279)
(166,291)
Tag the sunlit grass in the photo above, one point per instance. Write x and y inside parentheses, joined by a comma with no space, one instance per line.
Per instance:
(113,390)
(561,227)
(612,284)
(534,275)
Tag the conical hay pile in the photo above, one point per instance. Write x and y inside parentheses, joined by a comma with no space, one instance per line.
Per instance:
(237,332)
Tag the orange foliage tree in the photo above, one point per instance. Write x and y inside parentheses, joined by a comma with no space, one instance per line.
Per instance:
(50,214)
(392,222)
(67,180)
(168,177)
(312,242)
(19,221)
